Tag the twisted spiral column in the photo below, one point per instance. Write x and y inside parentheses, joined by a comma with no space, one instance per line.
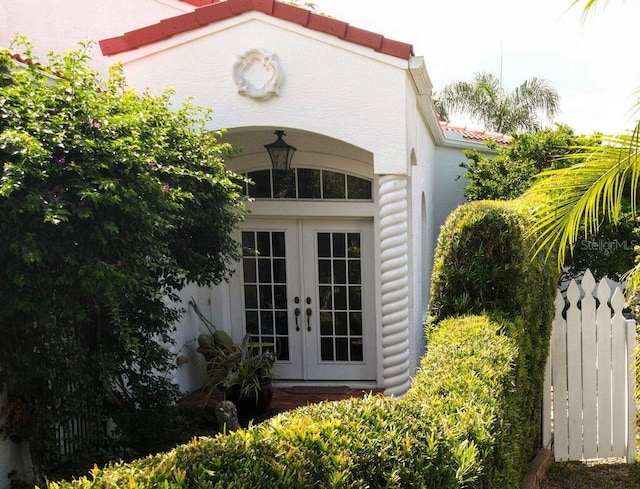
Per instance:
(394,256)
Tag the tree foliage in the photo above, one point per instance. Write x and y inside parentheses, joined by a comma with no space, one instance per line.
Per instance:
(601,186)
(507,175)
(110,202)
(486,100)
(514,170)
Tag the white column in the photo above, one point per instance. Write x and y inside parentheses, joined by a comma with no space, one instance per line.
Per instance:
(394,256)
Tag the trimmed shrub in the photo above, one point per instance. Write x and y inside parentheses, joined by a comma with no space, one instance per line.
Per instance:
(441,435)
(484,263)
(470,420)
(467,380)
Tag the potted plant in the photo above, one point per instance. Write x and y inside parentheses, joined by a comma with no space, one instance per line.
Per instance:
(249,380)
(242,371)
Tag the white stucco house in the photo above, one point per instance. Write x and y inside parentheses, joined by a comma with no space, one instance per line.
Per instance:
(339,247)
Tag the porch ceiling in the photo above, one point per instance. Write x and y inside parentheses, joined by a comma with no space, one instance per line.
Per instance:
(252,141)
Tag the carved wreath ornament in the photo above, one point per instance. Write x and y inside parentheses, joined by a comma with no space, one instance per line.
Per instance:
(257,74)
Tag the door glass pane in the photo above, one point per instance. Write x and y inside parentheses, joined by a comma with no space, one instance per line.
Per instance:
(265,289)
(339,246)
(341,323)
(277,244)
(354,271)
(282,324)
(324,244)
(264,270)
(340,271)
(324,271)
(279,271)
(356,351)
(326,323)
(280,296)
(326,349)
(353,244)
(340,297)
(251,296)
(249,270)
(342,349)
(248,244)
(251,318)
(264,244)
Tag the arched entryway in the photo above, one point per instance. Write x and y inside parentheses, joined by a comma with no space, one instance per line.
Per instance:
(306,282)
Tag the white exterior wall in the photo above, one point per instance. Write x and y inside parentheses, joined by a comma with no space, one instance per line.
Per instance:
(356,108)
(327,88)
(326,92)
(448,193)
(424,232)
(59,25)
(448,189)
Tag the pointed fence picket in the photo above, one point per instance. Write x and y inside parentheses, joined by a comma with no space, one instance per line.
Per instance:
(589,406)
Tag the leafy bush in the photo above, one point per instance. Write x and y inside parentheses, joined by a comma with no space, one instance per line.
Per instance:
(107,199)
(484,262)
(446,433)
(468,380)
(479,262)
(471,418)
(512,171)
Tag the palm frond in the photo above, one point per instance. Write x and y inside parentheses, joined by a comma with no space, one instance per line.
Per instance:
(575,200)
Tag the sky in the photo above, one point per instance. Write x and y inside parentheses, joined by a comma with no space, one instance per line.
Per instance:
(593,63)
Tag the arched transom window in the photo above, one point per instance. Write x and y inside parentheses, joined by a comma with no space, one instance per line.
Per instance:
(307,183)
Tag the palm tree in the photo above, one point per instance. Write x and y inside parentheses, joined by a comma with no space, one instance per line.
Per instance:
(486,100)
(576,200)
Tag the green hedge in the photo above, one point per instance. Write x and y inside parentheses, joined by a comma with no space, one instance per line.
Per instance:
(484,263)
(470,420)
(438,436)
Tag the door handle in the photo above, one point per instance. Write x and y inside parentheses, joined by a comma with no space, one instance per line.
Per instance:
(296,311)
(309,312)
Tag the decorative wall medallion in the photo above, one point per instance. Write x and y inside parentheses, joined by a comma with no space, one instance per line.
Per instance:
(257,74)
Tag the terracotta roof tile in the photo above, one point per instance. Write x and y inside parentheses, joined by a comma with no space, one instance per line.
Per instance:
(180,23)
(19,58)
(209,11)
(365,38)
(198,3)
(212,13)
(241,6)
(145,35)
(328,25)
(291,13)
(476,135)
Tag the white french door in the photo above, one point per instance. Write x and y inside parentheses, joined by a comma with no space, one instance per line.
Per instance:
(306,286)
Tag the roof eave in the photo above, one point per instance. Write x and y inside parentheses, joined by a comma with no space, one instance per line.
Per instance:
(214,12)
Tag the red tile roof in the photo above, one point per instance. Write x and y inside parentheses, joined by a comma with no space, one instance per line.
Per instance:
(476,135)
(209,11)
(19,58)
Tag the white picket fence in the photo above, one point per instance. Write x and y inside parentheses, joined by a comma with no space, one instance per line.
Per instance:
(589,406)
